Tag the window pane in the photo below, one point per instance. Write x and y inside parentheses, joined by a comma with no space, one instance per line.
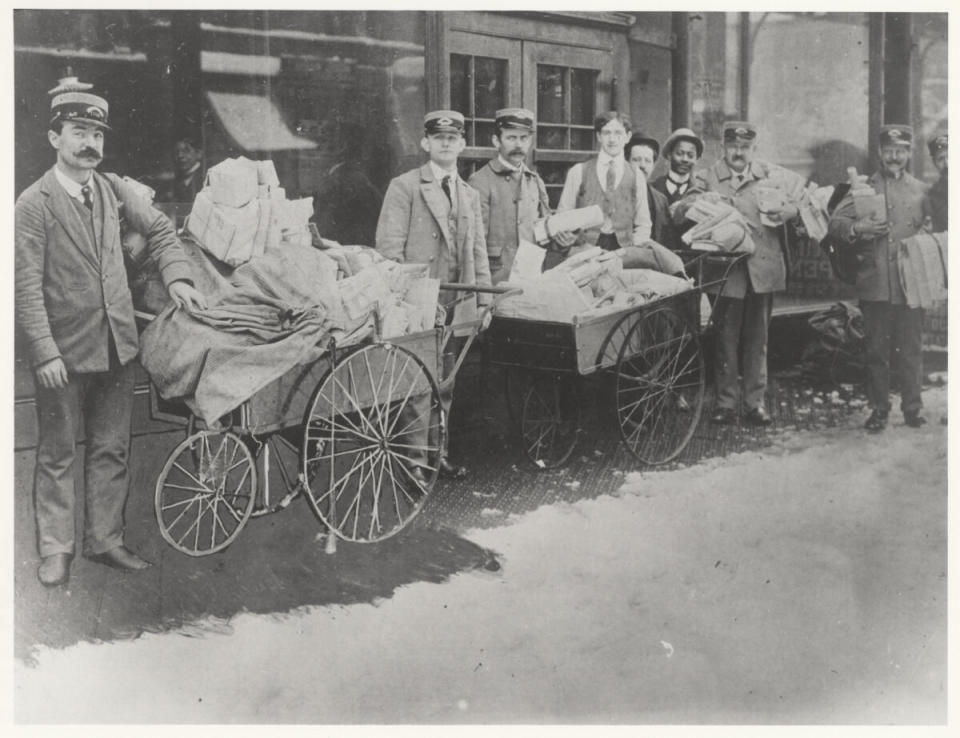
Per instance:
(583,96)
(484,133)
(459,83)
(551,137)
(582,139)
(490,86)
(551,94)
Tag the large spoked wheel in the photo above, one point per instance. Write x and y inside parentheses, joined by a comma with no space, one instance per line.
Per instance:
(205,492)
(550,420)
(659,385)
(373,434)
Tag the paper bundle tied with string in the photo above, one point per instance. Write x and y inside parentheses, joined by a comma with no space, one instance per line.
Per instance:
(567,220)
(726,230)
(922,263)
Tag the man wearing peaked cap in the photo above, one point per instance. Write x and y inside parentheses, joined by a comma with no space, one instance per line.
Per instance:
(431,216)
(74,307)
(682,150)
(512,196)
(766,196)
(887,320)
(939,198)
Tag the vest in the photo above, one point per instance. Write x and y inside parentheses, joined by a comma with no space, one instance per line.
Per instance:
(624,202)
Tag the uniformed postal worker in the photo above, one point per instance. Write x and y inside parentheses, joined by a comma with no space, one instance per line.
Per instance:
(431,216)
(938,193)
(74,308)
(743,310)
(608,181)
(887,320)
(512,196)
(642,152)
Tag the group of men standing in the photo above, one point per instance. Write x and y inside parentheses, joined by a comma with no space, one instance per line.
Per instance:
(73,303)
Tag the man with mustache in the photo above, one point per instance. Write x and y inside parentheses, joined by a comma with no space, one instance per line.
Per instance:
(887,320)
(642,152)
(512,196)
(743,311)
(75,311)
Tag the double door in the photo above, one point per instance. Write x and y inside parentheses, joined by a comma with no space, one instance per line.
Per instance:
(565,86)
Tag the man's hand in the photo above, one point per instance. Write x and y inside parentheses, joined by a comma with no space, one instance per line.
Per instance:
(787,212)
(52,375)
(184,294)
(565,239)
(870,228)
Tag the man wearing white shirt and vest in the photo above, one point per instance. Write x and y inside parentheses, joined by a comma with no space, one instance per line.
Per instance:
(512,196)
(431,216)
(607,180)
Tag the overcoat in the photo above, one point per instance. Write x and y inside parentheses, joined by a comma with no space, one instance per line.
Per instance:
(413,227)
(70,293)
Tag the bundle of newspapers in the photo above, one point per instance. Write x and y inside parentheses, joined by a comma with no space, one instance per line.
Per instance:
(242,210)
(591,283)
(718,227)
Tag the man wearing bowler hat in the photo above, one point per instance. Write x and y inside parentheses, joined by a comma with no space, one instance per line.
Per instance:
(938,193)
(682,150)
(431,216)
(74,308)
(642,152)
(512,196)
(887,320)
(743,309)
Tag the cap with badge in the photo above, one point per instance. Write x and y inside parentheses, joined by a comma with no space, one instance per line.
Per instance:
(443,121)
(72,103)
(937,143)
(739,130)
(893,134)
(683,134)
(519,118)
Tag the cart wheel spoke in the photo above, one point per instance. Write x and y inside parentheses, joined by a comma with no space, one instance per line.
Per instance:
(659,384)
(373,417)
(224,470)
(550,419)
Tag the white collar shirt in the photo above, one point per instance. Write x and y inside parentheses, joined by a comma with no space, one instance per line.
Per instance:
(74,189)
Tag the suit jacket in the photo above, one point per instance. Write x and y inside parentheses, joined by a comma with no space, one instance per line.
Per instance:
(765,270)
(664,231)
(660,185)
(71,294)
(878,276)
(413,228)
(508,214)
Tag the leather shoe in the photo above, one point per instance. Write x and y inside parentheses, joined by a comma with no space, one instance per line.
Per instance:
(758,416)
(877,421)
(451,471)
(120,557)
(724,416)
(54,570)
(914,419)
(418,477)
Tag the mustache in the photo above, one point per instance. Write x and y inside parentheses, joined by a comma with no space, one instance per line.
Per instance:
(90,154)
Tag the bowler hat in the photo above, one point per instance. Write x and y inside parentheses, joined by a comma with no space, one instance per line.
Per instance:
(641,139)
(683,134)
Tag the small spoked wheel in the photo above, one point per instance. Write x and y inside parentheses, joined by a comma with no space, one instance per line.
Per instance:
(659,385)
(278,462)
(373,433)
(205,492)
(550,420)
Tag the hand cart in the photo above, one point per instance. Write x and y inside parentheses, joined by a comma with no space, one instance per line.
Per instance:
(652,354)
(359,433)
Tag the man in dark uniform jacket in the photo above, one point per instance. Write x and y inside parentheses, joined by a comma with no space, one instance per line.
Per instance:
(512,196)
(642,151)
(939,200)
(887,320)
(74,308)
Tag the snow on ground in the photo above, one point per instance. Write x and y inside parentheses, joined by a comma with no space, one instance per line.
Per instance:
(802,584)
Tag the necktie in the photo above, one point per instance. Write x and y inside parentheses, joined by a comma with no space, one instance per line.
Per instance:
(87,197)
(611,183)
(445,186)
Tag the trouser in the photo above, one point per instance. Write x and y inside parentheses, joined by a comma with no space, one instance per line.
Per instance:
(743,325)
(901,328)
(608,241)
(101,405)
(417,415)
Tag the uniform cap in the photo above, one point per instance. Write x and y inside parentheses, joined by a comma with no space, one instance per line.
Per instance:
(519,118)
(683,134)
(71,102)
(937,143)
(896,134)
(734,130)
(443,121)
